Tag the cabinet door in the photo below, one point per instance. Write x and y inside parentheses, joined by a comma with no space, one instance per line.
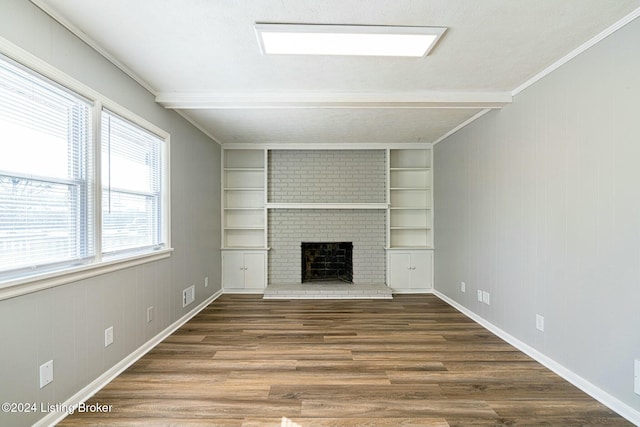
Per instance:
(421,272)
(399,270)
(254,277)
(233,270)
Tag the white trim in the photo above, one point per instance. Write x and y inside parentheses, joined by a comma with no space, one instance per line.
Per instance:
(96,385)
(198,126)
(591,389)
(245,249)
(125,113)
(166,191)
(327,146)
(25,285)
(85,38)
(95,46)
(409,248)
(238,291)
(32,284)
(97,182)
(577,51)
(461,125)
(36,64)
(327,205)
(209,100)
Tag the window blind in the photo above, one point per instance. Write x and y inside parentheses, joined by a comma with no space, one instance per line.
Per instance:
(46,215)
(131,186)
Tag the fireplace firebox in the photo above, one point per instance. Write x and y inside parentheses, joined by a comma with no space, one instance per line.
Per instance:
(327,261)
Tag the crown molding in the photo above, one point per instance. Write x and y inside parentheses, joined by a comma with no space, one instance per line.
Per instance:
(93,44)
(461,125)
(577,51)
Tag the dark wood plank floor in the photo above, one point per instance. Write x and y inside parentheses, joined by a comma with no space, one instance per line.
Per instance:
(410,361)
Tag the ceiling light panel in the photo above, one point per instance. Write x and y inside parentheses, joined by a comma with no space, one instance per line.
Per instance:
(358,40)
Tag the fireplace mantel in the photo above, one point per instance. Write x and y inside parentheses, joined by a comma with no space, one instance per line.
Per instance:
(327,205)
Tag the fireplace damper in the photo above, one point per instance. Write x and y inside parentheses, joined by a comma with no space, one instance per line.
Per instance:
(326,261)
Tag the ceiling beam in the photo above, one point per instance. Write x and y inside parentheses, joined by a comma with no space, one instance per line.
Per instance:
(190,101)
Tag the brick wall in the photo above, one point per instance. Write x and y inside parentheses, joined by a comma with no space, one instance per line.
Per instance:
(289,227)
(327,176)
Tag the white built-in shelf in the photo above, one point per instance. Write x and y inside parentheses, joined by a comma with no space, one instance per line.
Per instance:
(327,205)
(410,215)
(245,248)
(243,197)
(410,208)
(410,188)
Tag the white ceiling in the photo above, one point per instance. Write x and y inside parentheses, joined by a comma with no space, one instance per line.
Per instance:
(202,58)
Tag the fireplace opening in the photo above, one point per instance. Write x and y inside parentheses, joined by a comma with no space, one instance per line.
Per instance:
(327,261)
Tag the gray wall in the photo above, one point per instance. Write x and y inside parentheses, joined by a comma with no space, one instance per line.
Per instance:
(67,323)
(327,176)
(539,204)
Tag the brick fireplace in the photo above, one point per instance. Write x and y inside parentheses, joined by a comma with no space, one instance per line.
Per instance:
(327,261)
(326,177)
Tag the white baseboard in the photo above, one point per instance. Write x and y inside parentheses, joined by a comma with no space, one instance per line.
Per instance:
(92,388)
(591,389)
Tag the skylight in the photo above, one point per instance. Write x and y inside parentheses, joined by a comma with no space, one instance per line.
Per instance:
(359,40)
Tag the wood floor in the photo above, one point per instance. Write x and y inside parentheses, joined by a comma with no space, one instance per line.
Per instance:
(410,361)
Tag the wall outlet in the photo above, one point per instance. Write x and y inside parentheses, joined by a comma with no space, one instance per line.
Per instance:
(108,336)
(46,373)
(149,314)
(486,298)
(539,323)
(463,287)
(479,295)
(188,295)
(636,378)
(206,281)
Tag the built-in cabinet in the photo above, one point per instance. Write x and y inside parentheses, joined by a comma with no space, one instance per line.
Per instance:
(410,271)
(409,210)
(244,270)
(410,220)
(244,219)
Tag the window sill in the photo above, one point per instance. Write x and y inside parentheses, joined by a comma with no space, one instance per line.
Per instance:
(31,284)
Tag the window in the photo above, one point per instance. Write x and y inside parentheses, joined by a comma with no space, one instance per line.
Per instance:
(46,214)
(131,187)
(69,197)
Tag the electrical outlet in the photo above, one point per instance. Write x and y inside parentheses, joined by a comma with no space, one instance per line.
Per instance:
(463,287)
(149,314)
(206,281)
(46,373)
(636,379)
(479,295)
(539,323)
(486,298)
(108,336)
